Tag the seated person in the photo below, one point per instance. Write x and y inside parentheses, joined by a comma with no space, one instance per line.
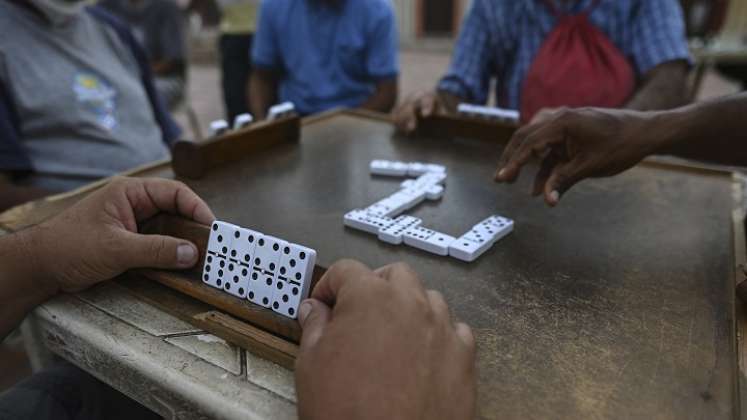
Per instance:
(159,27)
(611,53)
(414,362)
(321,54)
(77,101)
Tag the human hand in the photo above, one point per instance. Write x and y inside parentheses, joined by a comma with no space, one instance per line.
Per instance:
(422,104)
(377,345)
(97,239)
(574,144)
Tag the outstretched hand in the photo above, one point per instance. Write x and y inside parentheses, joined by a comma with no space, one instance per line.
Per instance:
(574,144)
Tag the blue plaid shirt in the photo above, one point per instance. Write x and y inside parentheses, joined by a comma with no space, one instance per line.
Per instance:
(500,38)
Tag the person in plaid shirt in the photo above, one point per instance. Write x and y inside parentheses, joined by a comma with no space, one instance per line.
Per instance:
(500,39)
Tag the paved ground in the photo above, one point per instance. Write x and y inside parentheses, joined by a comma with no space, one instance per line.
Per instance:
(420,71)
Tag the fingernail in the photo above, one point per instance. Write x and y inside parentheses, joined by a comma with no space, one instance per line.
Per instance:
(554,196)
(186,254)
(501,173)
(304,310)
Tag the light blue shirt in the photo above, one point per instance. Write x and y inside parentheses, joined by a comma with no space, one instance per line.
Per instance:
(500,39)
(327,56)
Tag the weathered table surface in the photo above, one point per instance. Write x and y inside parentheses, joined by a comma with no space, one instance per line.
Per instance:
(617,304)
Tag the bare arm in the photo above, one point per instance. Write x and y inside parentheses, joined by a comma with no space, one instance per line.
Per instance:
(263,87)
(663,87)
(93,241)
(12,195)
(575,144)
(424,104)
(384,97)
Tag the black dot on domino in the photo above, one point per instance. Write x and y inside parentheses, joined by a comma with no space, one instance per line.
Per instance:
(235,279)
(295,291)
(257,261)
(287,250)
(292,262)
(272,266)
(261,242)
(244,272)
(275,305)
(209,259)
(251,295)
(251,238)
(215,226)
(241,291)
(285,298)
(220,238)
(218,282)
(237,234)
(269,281)
(282,270)
(233,253)
(280,285)
(222,264)
(225,249)
(254,276)
(220,273)
(246,258)
(207,268)
(206,278)
(275,247)
(298,276)
(228,286)
(230,267)
(302,255)
(265,300)
(291,311)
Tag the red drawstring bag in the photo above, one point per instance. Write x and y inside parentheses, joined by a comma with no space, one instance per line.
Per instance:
(576,66)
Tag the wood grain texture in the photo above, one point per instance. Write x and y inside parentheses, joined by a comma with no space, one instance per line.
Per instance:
(192,160)
(455,126)
(188,282)
(617,304)
(204,316)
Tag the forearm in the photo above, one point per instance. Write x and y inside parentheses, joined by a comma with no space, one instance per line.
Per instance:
(663,88)
(263,90)
(384,98)
(23,285)
(168,68)
(711,131)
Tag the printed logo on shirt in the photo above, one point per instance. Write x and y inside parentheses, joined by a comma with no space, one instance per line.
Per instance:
(98,97)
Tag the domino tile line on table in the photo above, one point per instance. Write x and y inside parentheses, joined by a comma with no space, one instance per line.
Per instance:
(381,218)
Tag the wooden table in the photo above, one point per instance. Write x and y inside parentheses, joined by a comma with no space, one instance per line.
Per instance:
(617,304)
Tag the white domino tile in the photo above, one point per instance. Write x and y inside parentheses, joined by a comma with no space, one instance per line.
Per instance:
(428,240)
(388,168)
(293,279)
(435,192)
(360,220)
(261,287)
(214,270)
(267,253)
(393,233)
(285,109)
(218,128)
(221,237)
(236,281)
(242,121)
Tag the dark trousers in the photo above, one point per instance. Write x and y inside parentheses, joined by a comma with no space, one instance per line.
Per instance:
(737,72)
(65,392)
(236,65)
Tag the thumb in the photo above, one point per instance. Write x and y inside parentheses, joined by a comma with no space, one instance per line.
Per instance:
(563,177)
(313,315)
(159,251)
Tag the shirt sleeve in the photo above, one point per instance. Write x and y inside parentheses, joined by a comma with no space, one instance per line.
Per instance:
(382,60)
(172,33)
(658,34)
(265,52)
(12,156)
(468,76)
